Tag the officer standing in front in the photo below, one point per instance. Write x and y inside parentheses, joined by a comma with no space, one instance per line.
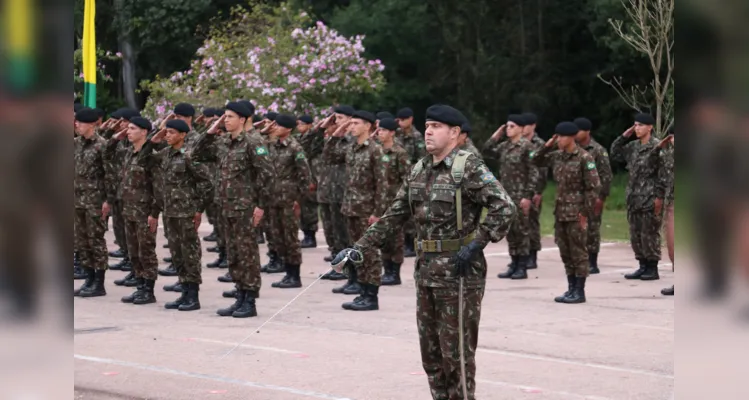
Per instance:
(444,195)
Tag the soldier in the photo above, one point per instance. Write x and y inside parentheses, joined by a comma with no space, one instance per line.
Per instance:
(364,200)
(397,166)
(518,175)
(534,217)
(186,193)
(465,142)
(578,185)
(646,191)
(290,183)
(666,154)
(445,194)
(382,115)
(92,176)
(309,218)
(202,123)
(412,140)
(214,210)
(603,166)
(137,194)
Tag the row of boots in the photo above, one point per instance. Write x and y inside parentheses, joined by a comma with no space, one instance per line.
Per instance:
(368,294)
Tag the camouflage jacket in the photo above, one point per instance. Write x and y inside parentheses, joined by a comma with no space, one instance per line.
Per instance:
(428,196)
(114,154)
(183,188)
(543,172)
(313,143)
(138,174)
(577,179)
(601,157)
(93,175)
(291,174)
(366,188)
(666,171)
(469,147)
(646,183)
(517,173)
(412,142)
(396,166)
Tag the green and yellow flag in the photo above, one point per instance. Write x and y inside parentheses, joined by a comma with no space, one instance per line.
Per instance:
(18,30)
(89,54)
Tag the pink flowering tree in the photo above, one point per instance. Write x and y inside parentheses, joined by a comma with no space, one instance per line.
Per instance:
(278,59)
(102,75)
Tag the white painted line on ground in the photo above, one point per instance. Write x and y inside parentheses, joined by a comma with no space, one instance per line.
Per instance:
(247,346)
(657,328)
(215,378)
(542,250)
(534,389)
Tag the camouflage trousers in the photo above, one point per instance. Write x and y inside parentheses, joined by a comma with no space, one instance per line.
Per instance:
(309,216)
(645,234)
(437,321)
(534,221)
(518,238)
(370,271)
(141,246)
(284,233)
(393,249)
(184,245)
(594,233)
(214,217)
(89,238)
(334,224)
(242,251)
(571,239)
(118,225)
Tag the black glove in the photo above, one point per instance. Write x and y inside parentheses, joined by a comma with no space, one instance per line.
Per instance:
(464,257)
(350,255)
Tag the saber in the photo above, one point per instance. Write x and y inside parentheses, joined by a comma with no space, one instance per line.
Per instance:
(273,316)
(461,342)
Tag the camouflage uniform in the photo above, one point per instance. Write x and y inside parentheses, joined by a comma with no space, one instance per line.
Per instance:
(469,147)
(366,194)
(312,144)
(290,183)
(330,192)
(578,185)
(115,199)
(534,217)
(92,180)
(414,144)
(646,183)
(396,167)
(603,166)
(429,197)
(518,175)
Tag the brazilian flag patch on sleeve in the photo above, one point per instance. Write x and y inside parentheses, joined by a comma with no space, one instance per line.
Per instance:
(531,154)
(488,177)
(386,158)
(261,151)
(300,156)
(591,165)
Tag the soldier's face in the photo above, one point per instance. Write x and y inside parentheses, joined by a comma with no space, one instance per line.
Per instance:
(302,127)
(564,142)
(642,129)
(514,130)
(232,122)
(439,136)
(582,136)
(83,128)
(405,122)
(529,129)
(359,127)
(188,120)
(385,135)
(462,138)
(174,137)
(341,118)
(135,133)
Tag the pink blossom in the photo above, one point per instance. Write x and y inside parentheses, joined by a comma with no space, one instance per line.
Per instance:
(118,54)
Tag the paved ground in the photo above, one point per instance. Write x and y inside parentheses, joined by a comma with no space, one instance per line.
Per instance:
(620,345)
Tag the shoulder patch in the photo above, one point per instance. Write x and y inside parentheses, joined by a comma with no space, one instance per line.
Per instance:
(386,158)
(488,177)
(300,156)
(605,154)
(261,150)
(532,154)
(591,165)
(421,144)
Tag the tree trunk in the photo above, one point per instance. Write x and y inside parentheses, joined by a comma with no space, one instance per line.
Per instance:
(129,79)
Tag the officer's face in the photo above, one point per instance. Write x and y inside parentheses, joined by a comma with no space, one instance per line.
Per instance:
(232,122)
(642,129)
(513,130)
(439,136)
(174,137)
(135,133)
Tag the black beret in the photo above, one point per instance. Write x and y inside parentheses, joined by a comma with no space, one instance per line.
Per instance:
(100,112)
(365,115)
(257,118)
(184,109)
(466,127)
(271,115)
(286,120)
(644,118)
(389,124)
(306,119)
(530,118)
(517,119)
(583,123)
(445,114)
(249,106)
(217,112)
(345,110)
(77,107)
(141,122)
(117,114)
(128,113)
(86,115)
(178,124)
(405,113)
(566,129)
(208,112)
(238,108)
(384,114)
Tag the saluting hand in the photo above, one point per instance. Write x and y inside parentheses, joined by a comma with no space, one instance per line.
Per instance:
(666,140)
(499,132)
(629,131)
(551,141)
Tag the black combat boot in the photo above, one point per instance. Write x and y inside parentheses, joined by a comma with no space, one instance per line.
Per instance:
(140,287)
(119,253)
(593,258)
(213,249)
(358,299)
(351,286)
(97,288)
(332,275)
(247,309)
(221,258)
(570,287)
(90,275)
(511,268)
(369,300)
(229,294)
(174,287)
(578,293)
(173,305)
(171,270)
(532,260)
(387,271)
(227,312)
(129,280)
(212,237)
(165,245)
(224,263)
(192,302)
(122,265)
(79,273)
(146,295)
(408,247)
(272,262)
(651,271)
(226,278)
(668,291)
(292,279)
(309,241)
(167,259)
(395,275)
(520,271)
(638,273)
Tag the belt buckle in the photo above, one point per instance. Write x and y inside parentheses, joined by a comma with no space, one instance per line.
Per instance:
(438,246)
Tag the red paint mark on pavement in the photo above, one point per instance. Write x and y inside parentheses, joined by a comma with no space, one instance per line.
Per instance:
(217,391)
(110,373)
(532,390)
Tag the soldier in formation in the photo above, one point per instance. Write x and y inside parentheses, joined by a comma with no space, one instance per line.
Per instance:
(534,216)
(412,140)
(309,215)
